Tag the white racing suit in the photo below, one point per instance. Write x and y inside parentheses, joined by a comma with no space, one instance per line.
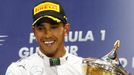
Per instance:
(38,64)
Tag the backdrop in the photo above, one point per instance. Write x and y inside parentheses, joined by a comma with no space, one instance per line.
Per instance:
(95,26)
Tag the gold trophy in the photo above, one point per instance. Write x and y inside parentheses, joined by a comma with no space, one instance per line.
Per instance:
(107,65)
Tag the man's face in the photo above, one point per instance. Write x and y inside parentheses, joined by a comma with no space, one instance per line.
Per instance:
(50,37)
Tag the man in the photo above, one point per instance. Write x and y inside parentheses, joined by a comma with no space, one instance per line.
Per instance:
(50,27)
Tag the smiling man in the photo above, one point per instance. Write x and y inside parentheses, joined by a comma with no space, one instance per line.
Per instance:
(50,26)
(50,36)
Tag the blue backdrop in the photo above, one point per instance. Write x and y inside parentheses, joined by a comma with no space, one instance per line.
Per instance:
(95,26)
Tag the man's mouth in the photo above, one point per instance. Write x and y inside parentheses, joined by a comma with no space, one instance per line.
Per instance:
(49,43)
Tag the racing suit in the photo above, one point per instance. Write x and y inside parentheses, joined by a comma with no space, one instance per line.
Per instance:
(39,64)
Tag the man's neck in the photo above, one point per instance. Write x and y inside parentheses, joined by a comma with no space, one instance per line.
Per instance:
(59,53)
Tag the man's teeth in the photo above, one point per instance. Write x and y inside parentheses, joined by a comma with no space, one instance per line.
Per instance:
(49,42)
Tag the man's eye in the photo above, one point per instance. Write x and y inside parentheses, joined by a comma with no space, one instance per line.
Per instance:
(54,27)
(40,28)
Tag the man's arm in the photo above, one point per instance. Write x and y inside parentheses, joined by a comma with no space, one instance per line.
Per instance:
(15,69)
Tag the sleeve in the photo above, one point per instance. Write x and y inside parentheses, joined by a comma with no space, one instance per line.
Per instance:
(14,69)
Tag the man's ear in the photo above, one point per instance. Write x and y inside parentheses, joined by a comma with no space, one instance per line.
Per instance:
(67,28)
(33,29)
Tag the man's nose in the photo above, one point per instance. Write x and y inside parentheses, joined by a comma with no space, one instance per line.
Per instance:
(48,33)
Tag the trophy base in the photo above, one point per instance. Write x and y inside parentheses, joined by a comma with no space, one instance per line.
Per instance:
(93,70)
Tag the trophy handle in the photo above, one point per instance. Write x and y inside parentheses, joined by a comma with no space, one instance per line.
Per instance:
(116,46)
(112,56)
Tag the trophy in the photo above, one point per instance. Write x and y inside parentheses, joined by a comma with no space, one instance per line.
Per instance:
(106,65)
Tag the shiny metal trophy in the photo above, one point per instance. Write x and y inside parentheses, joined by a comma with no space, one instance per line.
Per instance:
(107,65)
